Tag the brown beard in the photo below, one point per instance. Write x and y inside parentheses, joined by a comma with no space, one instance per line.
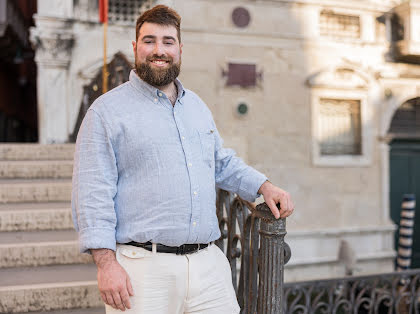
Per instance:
(158,77)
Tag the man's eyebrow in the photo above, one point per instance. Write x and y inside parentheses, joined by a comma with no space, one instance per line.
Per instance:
(169,38)
(148,37)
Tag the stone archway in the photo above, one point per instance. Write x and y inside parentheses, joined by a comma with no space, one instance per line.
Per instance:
(404,165)
(119,69)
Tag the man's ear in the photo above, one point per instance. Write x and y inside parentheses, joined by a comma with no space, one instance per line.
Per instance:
(180,48)
(134,46)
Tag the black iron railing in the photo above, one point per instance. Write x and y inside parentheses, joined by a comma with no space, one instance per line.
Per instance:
(253,238)
(397,292)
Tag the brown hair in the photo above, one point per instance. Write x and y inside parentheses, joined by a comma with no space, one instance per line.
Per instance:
(162,15)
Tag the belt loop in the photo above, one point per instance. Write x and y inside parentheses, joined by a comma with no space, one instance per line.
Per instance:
(154,249)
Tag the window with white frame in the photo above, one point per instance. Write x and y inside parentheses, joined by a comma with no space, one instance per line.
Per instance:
(339,127)
(342,124)
(332,24)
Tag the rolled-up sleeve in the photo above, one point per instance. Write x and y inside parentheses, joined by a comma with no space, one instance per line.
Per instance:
(95,179)
(232,174)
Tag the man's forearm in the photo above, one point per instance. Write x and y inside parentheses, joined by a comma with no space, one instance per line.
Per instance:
(103,257)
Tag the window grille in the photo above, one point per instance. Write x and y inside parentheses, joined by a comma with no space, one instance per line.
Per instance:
(127,11)
(339,25)
(339,127)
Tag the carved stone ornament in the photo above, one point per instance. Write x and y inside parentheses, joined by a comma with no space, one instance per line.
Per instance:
(339,77)
(53,46)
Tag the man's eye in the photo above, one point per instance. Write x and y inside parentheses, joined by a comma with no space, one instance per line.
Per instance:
(148,42)
(169,43)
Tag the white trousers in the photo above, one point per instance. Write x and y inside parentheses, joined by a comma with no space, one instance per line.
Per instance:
(166,283)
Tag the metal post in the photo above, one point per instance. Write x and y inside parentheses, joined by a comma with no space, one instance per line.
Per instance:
(405,241)
(105,65)
(274,254)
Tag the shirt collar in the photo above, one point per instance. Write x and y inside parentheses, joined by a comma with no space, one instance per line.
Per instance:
(150,91)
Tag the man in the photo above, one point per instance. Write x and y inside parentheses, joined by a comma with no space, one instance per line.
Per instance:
(148,158)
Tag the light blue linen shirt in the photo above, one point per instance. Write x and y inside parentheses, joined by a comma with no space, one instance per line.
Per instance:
(145,170)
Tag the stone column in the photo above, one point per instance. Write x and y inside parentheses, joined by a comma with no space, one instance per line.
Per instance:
(52,39)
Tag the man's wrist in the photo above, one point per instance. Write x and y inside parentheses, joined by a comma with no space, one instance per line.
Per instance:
(103,257)
(262,187)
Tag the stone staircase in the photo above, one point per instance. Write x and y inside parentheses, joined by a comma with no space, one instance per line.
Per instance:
(41,270)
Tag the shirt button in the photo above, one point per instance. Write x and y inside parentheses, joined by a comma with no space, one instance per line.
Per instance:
(195,192)
(190,164)
(194,223)
(174,112)
(160,94)
(183,137)
(155,100)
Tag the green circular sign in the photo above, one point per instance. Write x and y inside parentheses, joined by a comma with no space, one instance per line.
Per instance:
(242,108)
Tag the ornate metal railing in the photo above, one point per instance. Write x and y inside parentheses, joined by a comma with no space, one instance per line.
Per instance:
(397,292)
(253,238)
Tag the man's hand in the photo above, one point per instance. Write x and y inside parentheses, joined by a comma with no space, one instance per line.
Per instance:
(274,195)
(113,281)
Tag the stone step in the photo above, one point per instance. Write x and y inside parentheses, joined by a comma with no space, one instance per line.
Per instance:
(35,248)
(41,190)
(96,310)
(48,288)
(35,216)
(36,151)
(36,169)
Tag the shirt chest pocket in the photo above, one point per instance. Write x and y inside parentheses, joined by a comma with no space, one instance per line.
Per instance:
(207,141)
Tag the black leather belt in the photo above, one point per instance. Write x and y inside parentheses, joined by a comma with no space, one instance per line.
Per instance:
(179,250)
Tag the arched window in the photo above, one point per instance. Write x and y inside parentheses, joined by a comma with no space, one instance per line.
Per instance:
(406,120)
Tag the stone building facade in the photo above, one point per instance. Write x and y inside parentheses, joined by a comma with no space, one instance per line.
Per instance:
(303,90)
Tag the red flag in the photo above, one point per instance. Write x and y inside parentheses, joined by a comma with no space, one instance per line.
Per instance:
(103,11)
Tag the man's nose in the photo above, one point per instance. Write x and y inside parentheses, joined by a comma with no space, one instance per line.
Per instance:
(158,49)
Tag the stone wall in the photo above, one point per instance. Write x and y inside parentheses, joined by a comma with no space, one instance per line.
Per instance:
(343,198)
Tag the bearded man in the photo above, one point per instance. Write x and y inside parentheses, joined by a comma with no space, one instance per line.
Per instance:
(147,163)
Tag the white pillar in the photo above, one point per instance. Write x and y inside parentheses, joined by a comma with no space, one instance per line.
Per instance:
(55,8)
(386,211)
(53,41)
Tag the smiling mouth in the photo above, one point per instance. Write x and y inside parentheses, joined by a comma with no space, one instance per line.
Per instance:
(159,62)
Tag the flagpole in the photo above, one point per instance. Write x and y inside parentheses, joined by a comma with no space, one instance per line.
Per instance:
(105,66)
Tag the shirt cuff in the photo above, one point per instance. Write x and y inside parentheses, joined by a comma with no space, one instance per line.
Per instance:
(249,187)
(97,238)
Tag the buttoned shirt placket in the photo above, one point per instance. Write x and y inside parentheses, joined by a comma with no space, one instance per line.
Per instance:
(177,111)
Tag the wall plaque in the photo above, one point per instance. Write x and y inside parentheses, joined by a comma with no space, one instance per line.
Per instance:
(241,17)
(242,74)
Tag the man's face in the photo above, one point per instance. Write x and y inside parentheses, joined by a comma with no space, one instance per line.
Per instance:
(157,54)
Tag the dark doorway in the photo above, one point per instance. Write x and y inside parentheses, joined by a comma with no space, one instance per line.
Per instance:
(405,166)
(18,103)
